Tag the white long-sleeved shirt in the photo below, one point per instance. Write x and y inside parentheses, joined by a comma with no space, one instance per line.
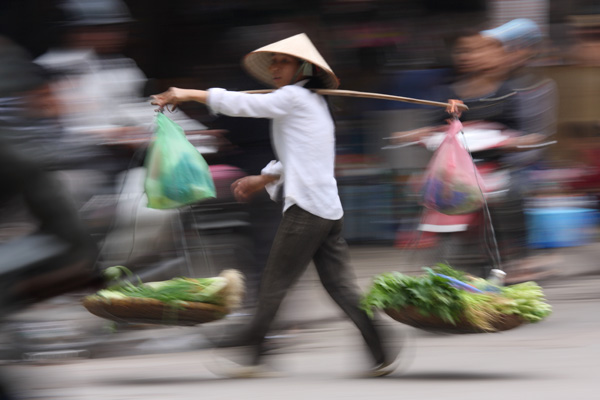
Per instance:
(303,136)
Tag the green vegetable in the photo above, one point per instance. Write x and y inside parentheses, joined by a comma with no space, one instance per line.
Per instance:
(204,290)
(480,309)
(433,295)
(110,294)
(445,269)
(527,300)
(430,294)
(115,272)
(226,289)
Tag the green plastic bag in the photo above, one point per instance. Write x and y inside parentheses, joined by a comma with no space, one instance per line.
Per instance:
(177,174)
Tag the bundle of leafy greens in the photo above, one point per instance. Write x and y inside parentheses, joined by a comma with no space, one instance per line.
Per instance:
(433,294)
(224,290)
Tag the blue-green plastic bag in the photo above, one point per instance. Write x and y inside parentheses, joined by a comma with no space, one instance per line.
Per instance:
(177,174)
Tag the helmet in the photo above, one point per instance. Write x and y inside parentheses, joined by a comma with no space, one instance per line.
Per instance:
(95,12)
(517,34)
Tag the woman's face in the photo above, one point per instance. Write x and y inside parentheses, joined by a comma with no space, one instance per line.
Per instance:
(283,68)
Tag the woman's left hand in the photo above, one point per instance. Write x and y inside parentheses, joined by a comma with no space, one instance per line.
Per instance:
(245,188)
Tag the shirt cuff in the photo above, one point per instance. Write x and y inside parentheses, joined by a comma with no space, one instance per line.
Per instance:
(273,168)
(215,99)
(274,188)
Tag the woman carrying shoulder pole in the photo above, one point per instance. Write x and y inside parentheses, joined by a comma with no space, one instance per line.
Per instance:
(303,136)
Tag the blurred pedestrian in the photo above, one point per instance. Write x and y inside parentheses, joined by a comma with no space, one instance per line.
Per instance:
(584,27)
(55,253)
(530,110)
(493,78)
(27,175)
(102,94)
(311,228)
(492,75)
(533,104)
(104,89)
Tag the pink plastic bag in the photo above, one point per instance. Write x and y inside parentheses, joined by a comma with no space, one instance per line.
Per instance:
(451,182)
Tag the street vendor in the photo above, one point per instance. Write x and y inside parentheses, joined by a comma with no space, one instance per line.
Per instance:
(303,135)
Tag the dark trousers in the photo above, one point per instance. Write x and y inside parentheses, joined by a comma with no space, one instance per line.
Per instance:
(302,237)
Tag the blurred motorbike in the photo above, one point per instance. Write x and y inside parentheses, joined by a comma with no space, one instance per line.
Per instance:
(197,241)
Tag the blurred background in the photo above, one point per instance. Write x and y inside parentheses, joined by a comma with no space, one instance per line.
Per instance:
(393,47)
(85,115)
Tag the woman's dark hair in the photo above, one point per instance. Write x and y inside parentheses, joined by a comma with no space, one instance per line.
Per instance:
(315,82)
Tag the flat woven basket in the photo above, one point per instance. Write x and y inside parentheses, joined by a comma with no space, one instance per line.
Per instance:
(411,316)
(151,311)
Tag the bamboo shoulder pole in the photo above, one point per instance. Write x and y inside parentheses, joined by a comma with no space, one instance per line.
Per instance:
(353,93)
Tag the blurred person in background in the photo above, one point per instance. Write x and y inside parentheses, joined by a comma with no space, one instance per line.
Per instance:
(51,252)
(533,110)
(585,30)
(311,227)
(494,80)
(532,113)
(35,128)
(103,89)
(580,87)
(102,95)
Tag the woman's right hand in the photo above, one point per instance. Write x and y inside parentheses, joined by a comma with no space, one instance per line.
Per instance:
(174,96)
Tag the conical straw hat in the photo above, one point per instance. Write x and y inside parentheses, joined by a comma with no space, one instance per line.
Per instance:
(257,62)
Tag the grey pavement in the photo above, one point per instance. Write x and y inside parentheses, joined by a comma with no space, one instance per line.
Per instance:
(576,277)
(554,360)
(321,353)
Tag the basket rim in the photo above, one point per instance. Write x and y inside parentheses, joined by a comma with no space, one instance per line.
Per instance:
(146,310)
(412,316)
(150,302)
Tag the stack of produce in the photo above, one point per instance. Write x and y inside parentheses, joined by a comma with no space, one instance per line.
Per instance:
(179,301)
(434,301)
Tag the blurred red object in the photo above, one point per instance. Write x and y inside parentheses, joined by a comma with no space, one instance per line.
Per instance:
(589,181)
(415,240)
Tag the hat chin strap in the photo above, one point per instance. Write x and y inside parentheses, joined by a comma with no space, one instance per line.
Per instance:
(305,69)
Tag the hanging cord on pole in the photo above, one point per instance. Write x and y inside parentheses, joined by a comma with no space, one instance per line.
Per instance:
(454,110)
(495,255)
